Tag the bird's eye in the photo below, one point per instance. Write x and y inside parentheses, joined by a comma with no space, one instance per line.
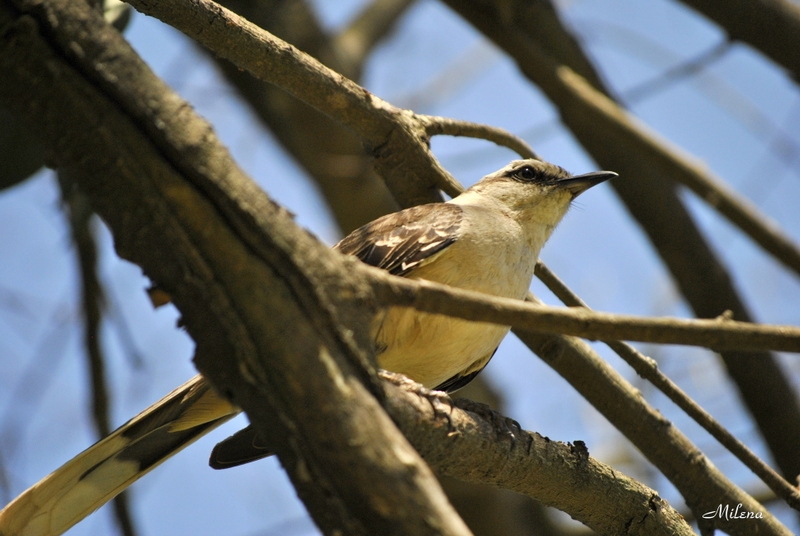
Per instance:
(526,173)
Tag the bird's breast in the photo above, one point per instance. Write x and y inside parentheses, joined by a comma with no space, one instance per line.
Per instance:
(494,259)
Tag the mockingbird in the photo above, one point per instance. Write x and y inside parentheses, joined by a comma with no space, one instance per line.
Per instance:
(487,239)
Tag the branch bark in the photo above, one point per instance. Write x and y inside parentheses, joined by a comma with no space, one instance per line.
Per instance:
(332,154)
(461,443)
(168,190)
(702,485)
(647,368)
(399,144)
(719,334)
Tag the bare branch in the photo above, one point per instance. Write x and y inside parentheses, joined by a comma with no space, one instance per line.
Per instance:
(675,74)
(332,154)
(720,333)
(79,212)
(454,127)
(702,485)
(647,368)
(464,442)
(369,27)
(535,37)
(392,135)
(236,265)
(685,170)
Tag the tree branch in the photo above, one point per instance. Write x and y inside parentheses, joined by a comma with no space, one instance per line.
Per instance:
(719,334)
(647,368)
(535,37)
(229,256)
(79,212)
(702,485)
(455,127)
(395,139)
(332,154)
(463,444)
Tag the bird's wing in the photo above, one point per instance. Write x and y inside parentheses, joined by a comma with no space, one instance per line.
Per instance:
(453,384)
(397,243)
(404,240)
(102,471)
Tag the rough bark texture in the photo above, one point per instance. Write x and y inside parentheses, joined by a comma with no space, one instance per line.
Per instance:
(229,257)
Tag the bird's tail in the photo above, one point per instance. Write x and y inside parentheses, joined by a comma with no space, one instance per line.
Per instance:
(98,474)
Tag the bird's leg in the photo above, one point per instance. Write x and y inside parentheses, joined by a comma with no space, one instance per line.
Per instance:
(440,402)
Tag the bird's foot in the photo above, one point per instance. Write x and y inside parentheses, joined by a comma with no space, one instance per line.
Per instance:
(441,403)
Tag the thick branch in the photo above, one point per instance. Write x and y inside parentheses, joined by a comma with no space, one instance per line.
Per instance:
(702,485)
(332,154)
(463,444)
(647,368)
(393,136)
(179,207)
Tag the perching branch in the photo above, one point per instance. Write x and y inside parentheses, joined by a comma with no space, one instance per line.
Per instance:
(538,41)
(702,485)
(461,443)
(235,264)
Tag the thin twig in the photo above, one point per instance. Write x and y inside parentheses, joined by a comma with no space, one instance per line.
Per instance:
(454,127)
(647,368)
(677,73)
(716,334)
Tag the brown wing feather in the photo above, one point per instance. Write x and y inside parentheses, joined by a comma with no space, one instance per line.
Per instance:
(400,241)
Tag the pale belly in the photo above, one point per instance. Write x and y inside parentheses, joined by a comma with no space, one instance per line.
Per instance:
(431,349)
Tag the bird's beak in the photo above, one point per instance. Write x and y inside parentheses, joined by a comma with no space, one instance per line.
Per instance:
(581,183)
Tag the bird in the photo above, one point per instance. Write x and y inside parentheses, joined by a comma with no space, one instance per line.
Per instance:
(487,239)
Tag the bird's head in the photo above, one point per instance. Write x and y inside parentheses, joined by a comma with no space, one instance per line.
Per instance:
(536,194)
(536,190)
